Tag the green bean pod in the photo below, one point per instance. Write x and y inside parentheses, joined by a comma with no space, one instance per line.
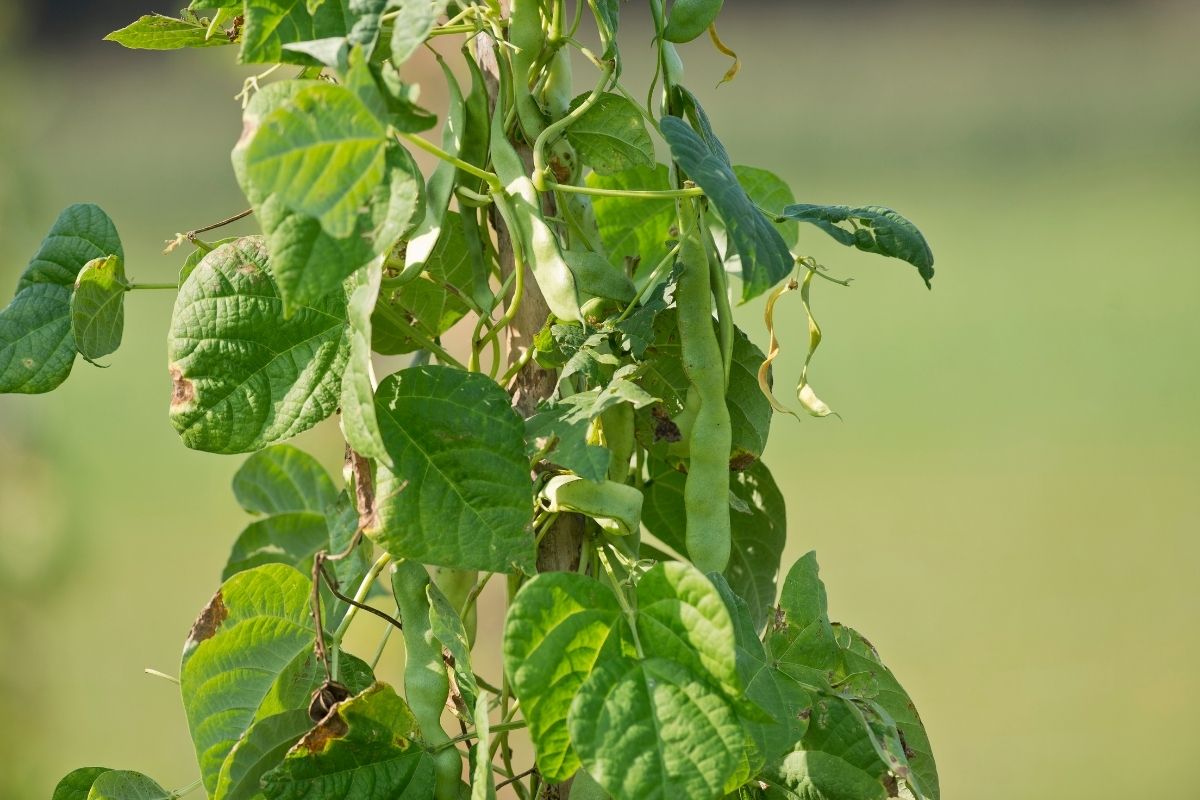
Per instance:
(526,35)
(426,681)
(706,492)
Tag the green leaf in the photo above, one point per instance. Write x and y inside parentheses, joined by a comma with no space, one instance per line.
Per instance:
(98,307)
(459,493)
(820,776)
(283,479)
(803,634)
(195,257)
(611,136)
(248,657)
(873,229)
(835,730)
(780,695)
(653,729)
(663,376)
(119,784)
(758,521)
(156,32)
(633,228)
(690,18)
(567,443)
(360,427)
(322,154)
(608,15)
(483,781)
(260,750)
(244,375)
(769,192)
(366,749)
(763,252)
(76,784)
(558,627)
(291,538)
(448,628)
(682,618)
(412,25)
(37,349)
(427,303)
(307,262)
(270,24)
(596,277)
(363,17)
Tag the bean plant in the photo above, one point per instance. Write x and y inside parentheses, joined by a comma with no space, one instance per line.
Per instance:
(582,421)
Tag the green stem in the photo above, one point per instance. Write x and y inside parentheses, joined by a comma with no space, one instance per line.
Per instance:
(360,596)
(431,148)
(397,319)
(622,600)
(133,287)
(540,170)
(191,787)
(387,634)
(654,277)
(635,194)
(501,727)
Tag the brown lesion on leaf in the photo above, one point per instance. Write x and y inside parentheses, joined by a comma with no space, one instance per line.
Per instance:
(330,728)
(183,391)
(209,621)
(742,460)
(665,430)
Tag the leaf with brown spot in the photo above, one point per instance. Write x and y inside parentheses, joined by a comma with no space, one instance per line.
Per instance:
(209,620)
(367,748)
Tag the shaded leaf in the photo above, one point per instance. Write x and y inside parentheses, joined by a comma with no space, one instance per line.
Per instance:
(873,229)
(258,751)
(764,254)
(37,348)
(76,784)
(820,776)
(611,136)
(270,24)
(360,427)
(119,784)
(98,307)
(282,479)
(688,19)
(458,492)
(633,228)
(412,25)
(769,192)
(448,628)
(567,442)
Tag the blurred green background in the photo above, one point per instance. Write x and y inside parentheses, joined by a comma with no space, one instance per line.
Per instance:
(1009,507)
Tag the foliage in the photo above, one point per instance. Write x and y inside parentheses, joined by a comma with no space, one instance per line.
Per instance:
(605,405)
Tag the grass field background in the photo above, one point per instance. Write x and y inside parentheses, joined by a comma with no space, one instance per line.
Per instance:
(1009,507)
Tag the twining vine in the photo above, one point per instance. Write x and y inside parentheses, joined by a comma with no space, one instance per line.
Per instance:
(594,435)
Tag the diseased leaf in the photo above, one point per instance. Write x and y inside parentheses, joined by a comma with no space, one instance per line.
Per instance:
(872,229)
(447,627)
(366,749)
(244,375)
(557,628)
(157,32)
(633,228)
(458,493)
(249,657)
(76,784)
(653,729)
(611,136)
(37,348)
(119,784)
(322,155)
(98,307)
(270,24)
(763,252)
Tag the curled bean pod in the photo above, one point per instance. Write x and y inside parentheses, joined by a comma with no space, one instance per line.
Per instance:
(706,492)
(426,682)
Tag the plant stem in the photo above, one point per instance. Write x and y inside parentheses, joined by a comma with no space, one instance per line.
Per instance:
(471,169)
(654,277)
(540,170)
(502,727)
(364,588)
(133,287)
(635,194)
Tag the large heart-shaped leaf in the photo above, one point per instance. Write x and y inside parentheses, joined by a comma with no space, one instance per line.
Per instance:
(634,228)
(654,730)
(610,136)
(37,348)
(271,24)
(244,375)
(367,748)
(458,492)
(558,626)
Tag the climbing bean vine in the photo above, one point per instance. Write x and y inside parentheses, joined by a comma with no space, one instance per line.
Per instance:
(581,415)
